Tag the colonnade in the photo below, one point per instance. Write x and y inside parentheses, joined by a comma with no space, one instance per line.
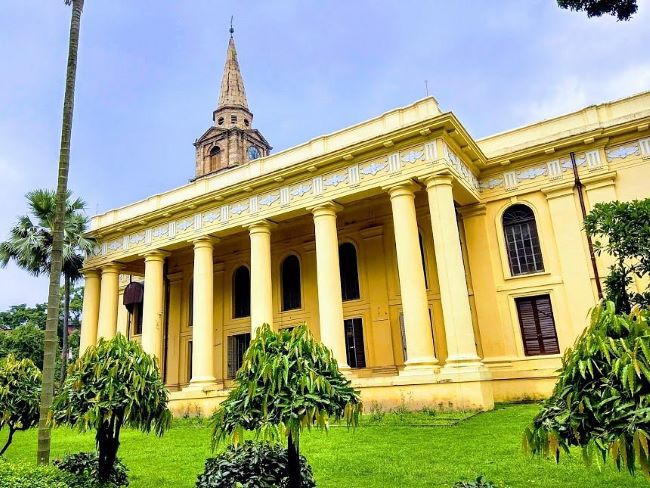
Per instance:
(101,289)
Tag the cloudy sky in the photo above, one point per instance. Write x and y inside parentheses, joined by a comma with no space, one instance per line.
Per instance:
(149,74)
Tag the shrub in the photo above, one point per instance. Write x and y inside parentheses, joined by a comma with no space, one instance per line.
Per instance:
(252,465)
(479,482)
(113,385)
(17,475)
(20,391)
(601,401)
(85,468)
(288,382)
(25,342)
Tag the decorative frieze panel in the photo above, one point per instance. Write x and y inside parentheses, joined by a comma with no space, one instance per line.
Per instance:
(355,174)
(552,170)
(623,151)
(461,168)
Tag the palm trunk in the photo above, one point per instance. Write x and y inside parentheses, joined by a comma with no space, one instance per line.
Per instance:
(293,464)
(51,326)
(66,321)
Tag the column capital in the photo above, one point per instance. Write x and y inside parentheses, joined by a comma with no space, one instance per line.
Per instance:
(114,268)
(439,179)
(91,272)
(204,241)
(403,188)
(262,226)
(155,255)
(326,208)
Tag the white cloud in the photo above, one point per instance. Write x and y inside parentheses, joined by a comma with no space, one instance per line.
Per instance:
(573,92)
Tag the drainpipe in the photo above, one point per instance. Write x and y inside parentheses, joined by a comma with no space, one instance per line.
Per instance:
(581,197)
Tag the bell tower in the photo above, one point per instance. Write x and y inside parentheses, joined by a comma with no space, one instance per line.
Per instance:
(231,141)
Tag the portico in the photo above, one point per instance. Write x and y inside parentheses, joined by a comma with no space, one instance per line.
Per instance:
(439,270)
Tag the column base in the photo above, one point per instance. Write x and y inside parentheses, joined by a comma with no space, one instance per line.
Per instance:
(465,369)
(204,384)
(420,368)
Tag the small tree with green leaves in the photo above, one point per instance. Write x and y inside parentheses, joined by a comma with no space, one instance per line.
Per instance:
(601,402)
(622,230)
(20,393)
(114,384)
(288,382)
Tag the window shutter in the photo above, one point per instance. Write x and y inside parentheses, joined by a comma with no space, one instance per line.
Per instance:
(537,325)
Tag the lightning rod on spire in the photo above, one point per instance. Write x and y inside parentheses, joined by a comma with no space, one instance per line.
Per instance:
(232,29)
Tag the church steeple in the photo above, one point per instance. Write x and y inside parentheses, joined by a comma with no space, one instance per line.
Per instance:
(232,92)
(231,141)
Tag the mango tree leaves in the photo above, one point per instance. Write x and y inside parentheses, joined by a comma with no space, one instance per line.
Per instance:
(114,379)
(288,382)
(601,401)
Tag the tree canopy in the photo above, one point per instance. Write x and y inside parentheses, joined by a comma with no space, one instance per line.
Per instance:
(601,402)
(622,9)
(20,391)
(622,230)
(114,384)
(288,382)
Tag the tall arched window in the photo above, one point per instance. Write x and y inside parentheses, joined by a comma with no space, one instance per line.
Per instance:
(349,272)
(241,293)
(290,283)
(522,240)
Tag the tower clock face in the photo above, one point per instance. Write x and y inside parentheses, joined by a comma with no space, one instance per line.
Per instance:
(253,153)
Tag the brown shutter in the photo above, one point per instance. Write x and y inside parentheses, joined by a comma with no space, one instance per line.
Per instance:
(537,325)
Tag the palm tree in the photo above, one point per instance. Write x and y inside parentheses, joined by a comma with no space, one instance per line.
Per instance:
(47,393)
(30,246)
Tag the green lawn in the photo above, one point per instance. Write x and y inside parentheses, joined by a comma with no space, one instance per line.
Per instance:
(375,455)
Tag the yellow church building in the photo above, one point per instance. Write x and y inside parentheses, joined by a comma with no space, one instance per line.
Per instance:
(441,270)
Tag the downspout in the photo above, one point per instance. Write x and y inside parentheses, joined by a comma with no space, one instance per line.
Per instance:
(581,197)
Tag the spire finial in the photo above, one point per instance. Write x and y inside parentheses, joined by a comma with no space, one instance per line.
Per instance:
(232,29)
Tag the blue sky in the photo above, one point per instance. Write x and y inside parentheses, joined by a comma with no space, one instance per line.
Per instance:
(149,74)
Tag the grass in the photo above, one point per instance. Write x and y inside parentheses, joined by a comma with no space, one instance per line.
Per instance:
(401,450)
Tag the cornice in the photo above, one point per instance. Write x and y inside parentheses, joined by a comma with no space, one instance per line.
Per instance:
(598,136)
(434,126)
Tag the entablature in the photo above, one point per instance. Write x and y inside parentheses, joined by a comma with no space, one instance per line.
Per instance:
(290,192)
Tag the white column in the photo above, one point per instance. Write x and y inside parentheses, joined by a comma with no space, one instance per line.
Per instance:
(108,301)
(154,304)
(261,284)
(454,296)
(328,279)
(415,308)
(202,328)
